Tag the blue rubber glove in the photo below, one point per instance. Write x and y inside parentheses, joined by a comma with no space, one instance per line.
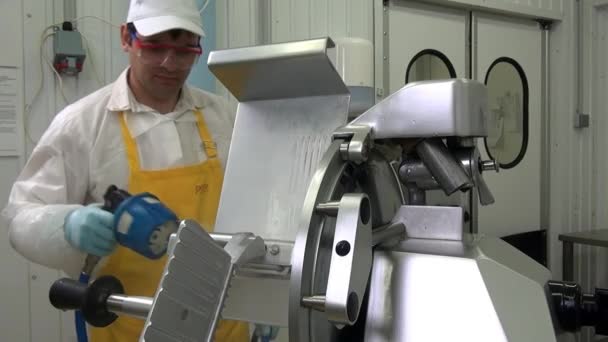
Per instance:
(91,229)
(266,332)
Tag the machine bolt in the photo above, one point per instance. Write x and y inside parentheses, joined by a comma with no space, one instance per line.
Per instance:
(489,165)
(314,302)
(343,248)
(329,208)
(275,249)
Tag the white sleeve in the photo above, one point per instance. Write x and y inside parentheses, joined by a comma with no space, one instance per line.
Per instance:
(53,183)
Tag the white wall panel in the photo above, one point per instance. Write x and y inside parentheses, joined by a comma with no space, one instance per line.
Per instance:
(320,13)
(548,9)
(599,110)
(565,157)
(297,19)
(592,261)
(14,290)
(14,285)
(238,23)
(338,18)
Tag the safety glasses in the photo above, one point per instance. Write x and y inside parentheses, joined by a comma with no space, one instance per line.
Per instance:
(159,54)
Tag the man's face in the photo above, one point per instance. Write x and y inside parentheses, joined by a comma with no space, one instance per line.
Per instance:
(158,68)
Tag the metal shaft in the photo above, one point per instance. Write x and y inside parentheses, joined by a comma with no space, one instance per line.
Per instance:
(443,166)
(133,306)
(394,232)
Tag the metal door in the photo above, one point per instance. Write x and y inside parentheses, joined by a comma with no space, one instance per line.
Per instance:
(507,54)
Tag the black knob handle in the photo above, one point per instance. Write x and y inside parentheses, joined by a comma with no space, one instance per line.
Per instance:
(69,294)
(575,309)
(113,197)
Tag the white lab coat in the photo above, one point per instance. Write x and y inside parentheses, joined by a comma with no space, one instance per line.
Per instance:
(82,153)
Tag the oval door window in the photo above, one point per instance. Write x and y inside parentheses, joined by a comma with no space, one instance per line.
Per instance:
(507,138)
(429,65)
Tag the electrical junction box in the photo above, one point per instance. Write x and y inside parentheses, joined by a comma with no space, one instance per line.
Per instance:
(69,53)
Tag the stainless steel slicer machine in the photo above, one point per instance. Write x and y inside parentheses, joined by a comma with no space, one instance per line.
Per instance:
(324,228)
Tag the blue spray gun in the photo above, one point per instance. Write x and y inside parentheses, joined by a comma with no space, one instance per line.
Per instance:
(141,222)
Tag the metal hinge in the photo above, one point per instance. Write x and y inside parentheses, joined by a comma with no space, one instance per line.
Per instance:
(581,120)
(545,25)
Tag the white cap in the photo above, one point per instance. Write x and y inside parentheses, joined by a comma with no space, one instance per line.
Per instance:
(155,16)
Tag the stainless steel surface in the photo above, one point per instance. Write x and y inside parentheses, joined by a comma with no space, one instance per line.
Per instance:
(278,144)
(195,282)
(490,165)
(275,263)
(314,242)
(329,208)
(306,278)
(258,268)
(381,184)
(473,295)
(444,167)
(314,302)
(446,108)
(278,71)
(360,142)
(431,222)
(188,301)
(244,247)
(414,174)
(416,196)
(470,158)
(291,100)
(394,232)
(351,260)
(133,306)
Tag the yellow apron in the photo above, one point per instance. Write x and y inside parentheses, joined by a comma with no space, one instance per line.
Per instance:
(191,192)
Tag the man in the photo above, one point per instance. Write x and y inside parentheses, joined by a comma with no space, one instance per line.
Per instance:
(147,132)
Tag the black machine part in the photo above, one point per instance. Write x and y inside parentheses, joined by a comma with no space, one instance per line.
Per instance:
(114,197)
(576,309)
(70,294)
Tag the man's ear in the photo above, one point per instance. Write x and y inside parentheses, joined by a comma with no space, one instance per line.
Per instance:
(125,38)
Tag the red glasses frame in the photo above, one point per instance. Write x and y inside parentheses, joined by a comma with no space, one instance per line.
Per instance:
(198,50)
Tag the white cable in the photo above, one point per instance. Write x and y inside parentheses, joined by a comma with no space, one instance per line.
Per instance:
(98,18)
(95,73)
(28,108)
(203,8)
(43,38)
(43,58)
(59,79)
